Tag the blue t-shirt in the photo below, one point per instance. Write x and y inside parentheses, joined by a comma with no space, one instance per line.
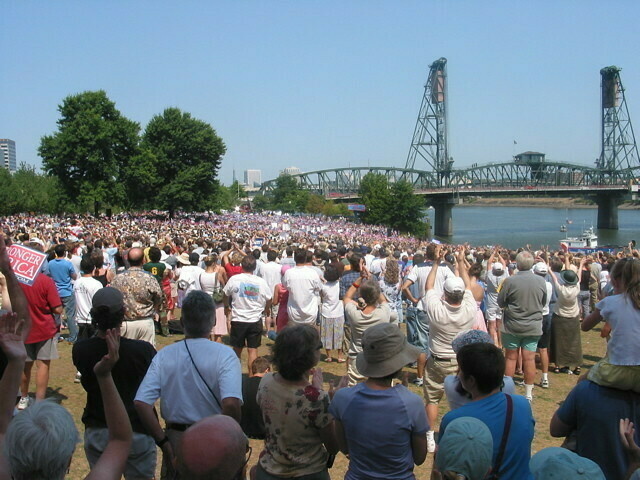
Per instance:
(60,270)
(595,413)
(378,425)
(492,411)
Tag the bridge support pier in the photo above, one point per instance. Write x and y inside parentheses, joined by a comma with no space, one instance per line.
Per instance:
(443,216)
(608,210)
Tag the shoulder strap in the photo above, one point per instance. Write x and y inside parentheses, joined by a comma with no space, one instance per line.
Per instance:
(200,375)
(505,435)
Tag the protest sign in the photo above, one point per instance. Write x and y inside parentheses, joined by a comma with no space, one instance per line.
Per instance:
(25,263)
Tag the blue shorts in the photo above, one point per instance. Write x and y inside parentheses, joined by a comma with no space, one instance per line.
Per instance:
(513,342)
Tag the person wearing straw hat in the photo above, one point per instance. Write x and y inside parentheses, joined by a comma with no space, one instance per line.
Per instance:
(389,448)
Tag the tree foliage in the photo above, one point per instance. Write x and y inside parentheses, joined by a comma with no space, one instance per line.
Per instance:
(178,163)
(288,196)
(28,191)
(88,153)
(375,195)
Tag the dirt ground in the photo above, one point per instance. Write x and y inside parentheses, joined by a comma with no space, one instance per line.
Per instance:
(546,401)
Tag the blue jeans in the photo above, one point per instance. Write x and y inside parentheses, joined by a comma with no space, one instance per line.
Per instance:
(69,304)
(411,319)
(418,328)
(584,300)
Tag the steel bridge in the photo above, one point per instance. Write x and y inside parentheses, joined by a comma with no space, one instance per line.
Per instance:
(616,172)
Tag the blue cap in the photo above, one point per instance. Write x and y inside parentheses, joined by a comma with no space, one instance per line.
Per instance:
(559,463)
(466,448)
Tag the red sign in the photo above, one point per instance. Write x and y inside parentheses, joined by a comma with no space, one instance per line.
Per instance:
(25,263)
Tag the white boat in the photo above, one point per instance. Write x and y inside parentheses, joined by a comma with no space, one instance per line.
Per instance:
(585,243)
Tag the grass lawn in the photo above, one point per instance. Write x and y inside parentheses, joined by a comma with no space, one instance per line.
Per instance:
(72,396)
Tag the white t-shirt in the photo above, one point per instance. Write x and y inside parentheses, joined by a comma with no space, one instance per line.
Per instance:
(624,319)
(447,321)
(184,397)
(271,273)
(249,294)
(545,309)
(83,290)
(332,306)
(190,274)
(418,275)
(304,287)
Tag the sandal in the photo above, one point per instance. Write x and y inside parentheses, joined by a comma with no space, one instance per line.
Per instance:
(556,370)
(566,370)
(328,360)
(341,360)
(576,371)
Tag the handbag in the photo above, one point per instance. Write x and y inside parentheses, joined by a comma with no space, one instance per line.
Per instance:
(218,294)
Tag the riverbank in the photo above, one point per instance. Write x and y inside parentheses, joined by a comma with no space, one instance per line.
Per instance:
(538,202)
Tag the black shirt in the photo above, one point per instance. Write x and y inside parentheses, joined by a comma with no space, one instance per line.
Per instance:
(128,372)
(251,419)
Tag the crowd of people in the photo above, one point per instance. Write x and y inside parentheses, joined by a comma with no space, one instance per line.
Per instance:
(479,321)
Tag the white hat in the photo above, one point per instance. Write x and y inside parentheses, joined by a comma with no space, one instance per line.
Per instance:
(497,267)
(454,285)
(540,268)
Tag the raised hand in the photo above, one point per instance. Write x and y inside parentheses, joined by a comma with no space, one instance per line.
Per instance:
(11,341)
(106,364)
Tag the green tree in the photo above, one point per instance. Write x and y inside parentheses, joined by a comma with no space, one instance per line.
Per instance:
(92,146)
(261,202)
(407,209)
(315,204)
(288,196)
(179,162)
(375,195)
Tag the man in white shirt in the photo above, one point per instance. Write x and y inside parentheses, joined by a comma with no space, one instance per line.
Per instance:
(304,287)
(247,297)
(270,272)
(449,314)
(84,289)
(194,379)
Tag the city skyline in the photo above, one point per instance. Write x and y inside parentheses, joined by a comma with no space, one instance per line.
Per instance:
(327,85)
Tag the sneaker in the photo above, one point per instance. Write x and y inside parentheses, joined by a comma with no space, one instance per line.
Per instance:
(24,402)
(519,383)
(418,382)
(431,442)
(544,383)
(78,377)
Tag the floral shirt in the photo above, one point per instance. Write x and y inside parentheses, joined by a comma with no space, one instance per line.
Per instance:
(293,417)
(142,293)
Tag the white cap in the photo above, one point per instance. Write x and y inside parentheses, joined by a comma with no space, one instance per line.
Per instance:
(454,285)
(540,268)
(498,267)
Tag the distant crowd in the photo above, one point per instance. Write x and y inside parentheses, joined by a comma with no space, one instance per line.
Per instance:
(479,326)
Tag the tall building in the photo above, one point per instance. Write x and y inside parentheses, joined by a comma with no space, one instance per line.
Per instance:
(253,178)
(8,152)
(290,171)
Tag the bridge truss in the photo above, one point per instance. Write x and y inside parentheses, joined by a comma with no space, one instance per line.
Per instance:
(616,170)
(497,178)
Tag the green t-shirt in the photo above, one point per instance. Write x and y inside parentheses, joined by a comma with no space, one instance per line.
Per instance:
(155,269)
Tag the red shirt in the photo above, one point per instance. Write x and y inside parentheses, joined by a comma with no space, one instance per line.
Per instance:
(42,297)
(232,269)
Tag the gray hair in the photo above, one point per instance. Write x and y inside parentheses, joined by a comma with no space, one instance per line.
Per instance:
(370,291)
(524,261)
(198,314)
(40,441)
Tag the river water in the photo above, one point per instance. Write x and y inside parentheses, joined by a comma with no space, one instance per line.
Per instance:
(514,227)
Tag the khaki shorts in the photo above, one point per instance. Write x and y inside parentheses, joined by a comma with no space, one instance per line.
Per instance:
(140,330)
(142,455)
(44,350)
(353,374)
(437,370)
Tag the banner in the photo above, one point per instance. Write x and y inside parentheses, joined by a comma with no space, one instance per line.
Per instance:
(25,263)
(356,207)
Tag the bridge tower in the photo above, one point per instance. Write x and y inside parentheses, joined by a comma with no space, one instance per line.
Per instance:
(619,154)
(430,140)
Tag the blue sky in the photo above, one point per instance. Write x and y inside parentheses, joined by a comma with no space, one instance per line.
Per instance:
(326,84)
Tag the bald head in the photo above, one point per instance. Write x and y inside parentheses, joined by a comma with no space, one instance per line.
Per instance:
(213,449)
(136,257)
